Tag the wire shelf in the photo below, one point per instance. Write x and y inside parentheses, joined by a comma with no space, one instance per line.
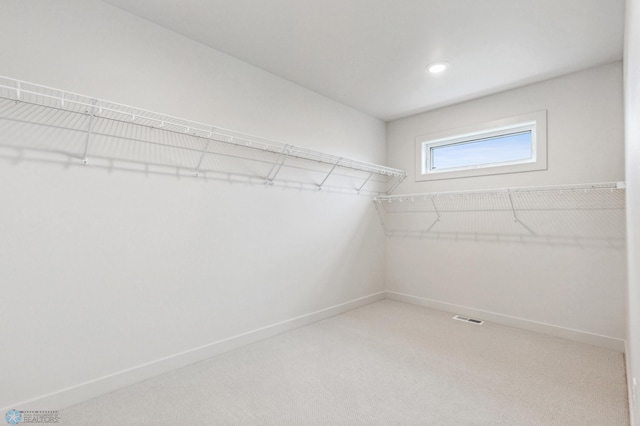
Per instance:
(584,214)
(105,129)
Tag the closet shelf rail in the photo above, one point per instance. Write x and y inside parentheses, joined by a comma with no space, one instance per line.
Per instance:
(61,100)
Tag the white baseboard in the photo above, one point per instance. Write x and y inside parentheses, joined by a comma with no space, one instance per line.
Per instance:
(539,327)
(629,383)
(84,391)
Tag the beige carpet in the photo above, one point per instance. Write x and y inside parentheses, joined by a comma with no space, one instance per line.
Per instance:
(387,363)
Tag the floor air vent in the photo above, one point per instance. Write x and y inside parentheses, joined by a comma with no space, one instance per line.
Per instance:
(470,320)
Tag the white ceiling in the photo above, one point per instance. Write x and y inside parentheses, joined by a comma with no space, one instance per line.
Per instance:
(371,54)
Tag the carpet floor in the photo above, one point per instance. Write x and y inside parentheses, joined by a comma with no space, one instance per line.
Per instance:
(388,363)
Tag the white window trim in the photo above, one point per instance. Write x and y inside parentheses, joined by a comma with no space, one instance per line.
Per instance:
(536,122)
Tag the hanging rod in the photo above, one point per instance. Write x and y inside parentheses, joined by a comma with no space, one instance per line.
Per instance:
(36,94)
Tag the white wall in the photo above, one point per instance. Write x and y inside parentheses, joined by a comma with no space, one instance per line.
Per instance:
(104,270)
(564,285)
(632,135)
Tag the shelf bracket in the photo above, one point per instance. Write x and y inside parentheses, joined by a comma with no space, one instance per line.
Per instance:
(435,222)
(435,208)
(92,113)
(365,182)
(329,174)
(513,209)
(515,216)
(277,165)
(395,185)
(196,172)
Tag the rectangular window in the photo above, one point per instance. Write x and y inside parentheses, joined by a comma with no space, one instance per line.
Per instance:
(498,150)
(511,145)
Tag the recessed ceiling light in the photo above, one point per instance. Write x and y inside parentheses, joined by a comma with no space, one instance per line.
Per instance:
(438,67)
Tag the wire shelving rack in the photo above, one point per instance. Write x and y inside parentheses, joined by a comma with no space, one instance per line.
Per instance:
(584,214)
(103,128)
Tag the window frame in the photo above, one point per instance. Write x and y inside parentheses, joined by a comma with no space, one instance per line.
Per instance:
(535,122)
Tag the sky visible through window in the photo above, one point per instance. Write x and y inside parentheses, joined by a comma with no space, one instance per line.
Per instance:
(499,149)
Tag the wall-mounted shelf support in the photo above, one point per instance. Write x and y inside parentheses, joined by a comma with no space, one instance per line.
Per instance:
(437,219)
(273,173)
(92,113)
(204,152)
(364,183)
(177,142)
(515,216)
(329,174)
(435,208)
